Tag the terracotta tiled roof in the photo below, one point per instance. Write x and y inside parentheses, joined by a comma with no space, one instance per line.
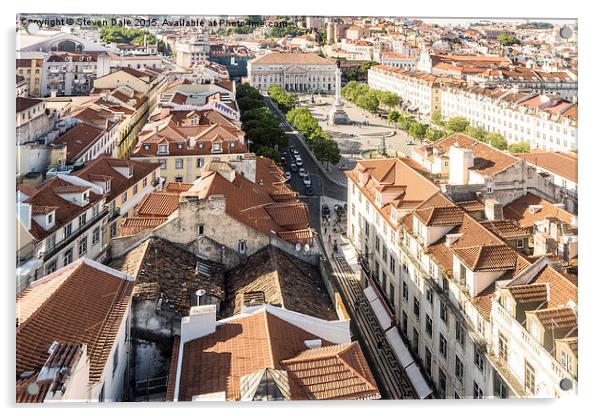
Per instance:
(335,372)
(23,103)
(487,258)
(158,204)
(518,210)
(438,211)
(79,139)
(176,187)
(563,164)
(505,229)
(133,225)
(488,161)
(66,211)
(278,58)
(554,318)
(283,280)
(103,167)
(174,271)
(536,292)
(411,187)
(80,303)
(247,344)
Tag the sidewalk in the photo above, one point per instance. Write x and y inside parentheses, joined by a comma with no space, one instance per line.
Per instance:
(346,273)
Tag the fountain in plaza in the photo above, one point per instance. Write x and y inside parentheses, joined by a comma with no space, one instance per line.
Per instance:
(337,115)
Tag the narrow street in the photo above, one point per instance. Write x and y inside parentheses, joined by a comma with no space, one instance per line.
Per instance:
(382,359)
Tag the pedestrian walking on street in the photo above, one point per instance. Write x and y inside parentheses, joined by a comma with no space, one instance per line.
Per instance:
(329,239)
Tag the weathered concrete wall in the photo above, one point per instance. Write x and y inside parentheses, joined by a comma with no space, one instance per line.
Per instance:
(218,226)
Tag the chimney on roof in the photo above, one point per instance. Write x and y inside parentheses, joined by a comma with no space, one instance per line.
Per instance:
(452,238)
(200,322)
(460,161)
(493,210)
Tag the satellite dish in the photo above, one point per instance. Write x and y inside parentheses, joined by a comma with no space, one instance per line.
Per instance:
(566,32)
(298,247)
(306,248)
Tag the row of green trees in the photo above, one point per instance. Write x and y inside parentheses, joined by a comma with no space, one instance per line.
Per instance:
(368,98)
(320,142)
(261,127)
(414,128)
(462,125)
(285,101)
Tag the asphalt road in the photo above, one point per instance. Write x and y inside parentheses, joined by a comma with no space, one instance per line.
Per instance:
(321,184)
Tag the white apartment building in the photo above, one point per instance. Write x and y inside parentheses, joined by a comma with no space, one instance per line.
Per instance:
(419,91)
(66,216)
(442,273)
(398,60)
(190,52)
(298,72)
(544,122)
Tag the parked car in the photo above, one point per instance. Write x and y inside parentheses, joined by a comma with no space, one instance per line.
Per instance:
(294,167)
(302,172)
(307,180)
(325,211)
(339,210)
(309,191)
(288,176)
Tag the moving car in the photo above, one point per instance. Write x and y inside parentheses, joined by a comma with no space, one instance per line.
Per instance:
(283,161)
(294,167)
(295,152)
(302,172)
(307,180)
(288,176)
(309,191)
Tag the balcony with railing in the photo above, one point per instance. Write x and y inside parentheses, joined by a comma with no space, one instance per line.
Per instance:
(549,371)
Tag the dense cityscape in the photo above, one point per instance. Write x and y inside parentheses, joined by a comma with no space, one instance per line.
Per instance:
(252,208)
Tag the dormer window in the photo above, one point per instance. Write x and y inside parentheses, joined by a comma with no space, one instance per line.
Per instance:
(147,147)
(50,219)
(108,186)
(162,148)
(216,147)
(201,145)
(179,146)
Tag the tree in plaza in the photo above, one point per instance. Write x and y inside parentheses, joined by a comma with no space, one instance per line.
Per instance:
(520,147)
(327,151)
(368,102)
(393,116)
(456,124)
(496,140)
(476,132)
(388,99)
(437,118)
(434,134)
(417,130)
(404,122)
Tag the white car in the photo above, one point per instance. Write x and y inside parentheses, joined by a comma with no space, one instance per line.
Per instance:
(295,152)
(299,161)
(307,180)
(287,175)
(302,172)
